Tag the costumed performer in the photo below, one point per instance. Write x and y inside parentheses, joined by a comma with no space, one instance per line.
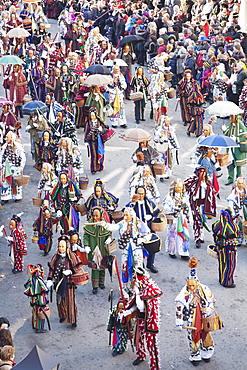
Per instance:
(202,198)
(101,198)
(94,240)
(37,291)
(145,302)
(194,302)
(177,208)
(17,243)
(96,134)
(65,195)
(226,234)
(63,269)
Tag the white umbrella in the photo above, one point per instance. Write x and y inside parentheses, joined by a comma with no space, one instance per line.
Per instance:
(18,32)
(97,80)
(116,62)
(224,108)
(242,20)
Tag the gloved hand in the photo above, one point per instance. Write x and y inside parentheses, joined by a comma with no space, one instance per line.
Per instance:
(100,128)
(148,217)
(49,284)
(103,224)
(133,55)
(67,272)
(87,249)
(139,303)
(35,124)
(59,213)
(9,238)
(28,128)
(179,327)
(152,162)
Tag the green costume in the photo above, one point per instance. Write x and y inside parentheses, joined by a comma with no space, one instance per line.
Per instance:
(239,131)
(95,235)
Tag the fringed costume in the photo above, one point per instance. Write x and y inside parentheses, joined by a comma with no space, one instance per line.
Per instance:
(225,234)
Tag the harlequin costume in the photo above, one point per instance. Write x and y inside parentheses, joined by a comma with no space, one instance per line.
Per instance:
(147,321)
(191,307)
(225,233)
(17,244)
(94,238)
(202,198)
(37,291)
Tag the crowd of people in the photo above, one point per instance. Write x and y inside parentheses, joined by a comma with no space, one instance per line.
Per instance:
(81,77)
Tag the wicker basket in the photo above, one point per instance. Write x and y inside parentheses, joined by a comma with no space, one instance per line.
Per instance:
(171,93)
(111,247)
(117,216)
(211,251)
(37,202)
(159,169)
(136,96)
(222,158)
(35,239)
(212,323)
(244,227)
(169,219)
(83,182)
(159,224)
(168,76)
(22,180)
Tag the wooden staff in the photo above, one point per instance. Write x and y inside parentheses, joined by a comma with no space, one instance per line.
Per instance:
(189,327)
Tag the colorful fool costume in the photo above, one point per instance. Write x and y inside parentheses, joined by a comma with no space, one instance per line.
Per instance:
(238,205)
(191,99)
(65,195)
(37,291)
(18,87)
(17,243)
(237,155)
(96,134)
(12,162)
(140,83)
(146,304)
(63,268)
(101,198)
(95,237)
(116,98)
(176,204)
(117,325)
(202,198)
(225,234)
(43,225)
(132,233)
(194,302)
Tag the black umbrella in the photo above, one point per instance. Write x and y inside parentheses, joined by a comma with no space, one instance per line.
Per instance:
(38,360)
(97,69)
(134,39)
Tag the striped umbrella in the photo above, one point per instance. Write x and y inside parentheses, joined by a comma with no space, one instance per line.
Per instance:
(31,107)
